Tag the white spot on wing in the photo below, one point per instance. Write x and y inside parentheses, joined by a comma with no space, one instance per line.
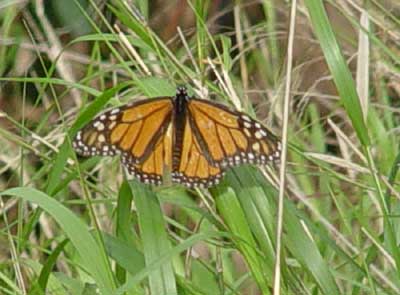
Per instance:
(256,146)
(246,118)
(115,111)
(100,126)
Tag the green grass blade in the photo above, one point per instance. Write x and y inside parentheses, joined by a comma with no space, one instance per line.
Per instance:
(124,248)
(167,257)
(247,180)
(338,67)
(48,266)
(53,285)
(234,217)
(126,255)
(92,257)
(154,238)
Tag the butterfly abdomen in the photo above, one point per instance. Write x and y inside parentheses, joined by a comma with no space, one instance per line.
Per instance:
(179,118)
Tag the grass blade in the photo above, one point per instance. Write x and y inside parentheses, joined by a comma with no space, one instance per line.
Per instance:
(236,220)
(93,258)
(154,238)
(251,186)
(338,67)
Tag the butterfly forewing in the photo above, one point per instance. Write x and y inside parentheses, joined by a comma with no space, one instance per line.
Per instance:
(131,130)
(230,138)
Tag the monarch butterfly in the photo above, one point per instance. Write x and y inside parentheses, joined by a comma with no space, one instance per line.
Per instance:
(195,140)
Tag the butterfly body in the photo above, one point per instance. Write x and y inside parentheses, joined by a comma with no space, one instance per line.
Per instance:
(179,117)
(193,139)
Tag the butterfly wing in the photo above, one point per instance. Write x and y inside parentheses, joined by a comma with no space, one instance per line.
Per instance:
(213,138)
(132,130)
(191,167)
(159,161)
(229,138)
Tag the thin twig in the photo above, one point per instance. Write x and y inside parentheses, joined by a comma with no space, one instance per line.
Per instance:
(363,58)
(239,37)
(277,272)
(132,51)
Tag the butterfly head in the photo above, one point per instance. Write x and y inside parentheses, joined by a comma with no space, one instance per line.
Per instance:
(181,99)
(181,91)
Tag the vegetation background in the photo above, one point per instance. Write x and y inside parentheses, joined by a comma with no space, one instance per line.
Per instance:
(69,227)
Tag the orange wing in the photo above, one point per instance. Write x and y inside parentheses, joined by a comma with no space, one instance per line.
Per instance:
(132,130)
(158,162)
(192,168)
(229,138)
(214,137)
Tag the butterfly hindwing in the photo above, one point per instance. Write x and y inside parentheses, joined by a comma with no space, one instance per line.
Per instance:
(230,138)
(192,168)
(158,162)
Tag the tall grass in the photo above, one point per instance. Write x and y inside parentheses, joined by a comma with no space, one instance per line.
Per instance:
(80,226)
